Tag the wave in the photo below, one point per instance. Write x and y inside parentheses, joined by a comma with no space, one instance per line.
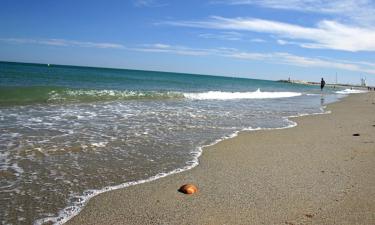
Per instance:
(69,212)
(350,91)
(219,95)
(56,95)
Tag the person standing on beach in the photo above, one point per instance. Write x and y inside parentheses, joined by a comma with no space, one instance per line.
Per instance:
(322,84)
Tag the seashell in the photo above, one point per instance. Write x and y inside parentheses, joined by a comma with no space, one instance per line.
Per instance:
(188,189)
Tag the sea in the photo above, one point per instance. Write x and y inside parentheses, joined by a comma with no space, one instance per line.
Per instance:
(68,133)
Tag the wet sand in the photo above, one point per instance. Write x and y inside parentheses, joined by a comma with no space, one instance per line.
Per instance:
(315,173)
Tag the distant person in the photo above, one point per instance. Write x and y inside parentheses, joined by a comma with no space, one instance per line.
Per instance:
(322,84)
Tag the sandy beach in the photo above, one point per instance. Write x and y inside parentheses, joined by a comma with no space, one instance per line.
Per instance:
(315,173)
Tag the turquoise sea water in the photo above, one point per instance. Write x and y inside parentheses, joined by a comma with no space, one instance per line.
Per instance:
(68,133)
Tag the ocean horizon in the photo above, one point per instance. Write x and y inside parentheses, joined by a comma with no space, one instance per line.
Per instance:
(68,133)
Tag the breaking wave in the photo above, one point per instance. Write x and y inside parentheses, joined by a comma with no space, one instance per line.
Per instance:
(219,95)
(56,95)
(350,91)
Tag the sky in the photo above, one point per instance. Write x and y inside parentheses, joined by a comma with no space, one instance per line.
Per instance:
(262,39)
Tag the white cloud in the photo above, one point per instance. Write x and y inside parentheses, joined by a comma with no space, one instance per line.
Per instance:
(282,42)
(357,11)
(164,48)
(259,40)
(325,35)
(315,62)
(158,45)
(275,57)
(230,36)
(62,42)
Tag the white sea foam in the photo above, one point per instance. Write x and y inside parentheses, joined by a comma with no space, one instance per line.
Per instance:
(99,144)
(219,95)
(323,112)
(350,91)
(81,199)
(69,212)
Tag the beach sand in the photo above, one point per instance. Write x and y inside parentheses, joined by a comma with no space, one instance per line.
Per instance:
(315,173)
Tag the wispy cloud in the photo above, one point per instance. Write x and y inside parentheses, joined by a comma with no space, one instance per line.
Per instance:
(358,11)
(164,48)
(63,42)
(259,40)
(230,36)
(274,57)
(148,3)
(183,50)
(317,62)
(325,35)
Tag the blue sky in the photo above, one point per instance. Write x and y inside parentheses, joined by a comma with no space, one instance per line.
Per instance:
(265,39)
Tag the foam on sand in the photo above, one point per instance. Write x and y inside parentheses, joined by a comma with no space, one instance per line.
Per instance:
(350,91)
(76,207)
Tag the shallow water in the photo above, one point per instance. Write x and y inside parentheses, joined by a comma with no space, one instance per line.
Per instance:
(75,137)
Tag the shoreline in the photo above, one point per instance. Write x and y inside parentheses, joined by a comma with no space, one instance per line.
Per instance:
(164,189)
(66,214)
(92,193)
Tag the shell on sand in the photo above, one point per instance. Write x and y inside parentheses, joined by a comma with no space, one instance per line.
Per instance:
(188,189)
